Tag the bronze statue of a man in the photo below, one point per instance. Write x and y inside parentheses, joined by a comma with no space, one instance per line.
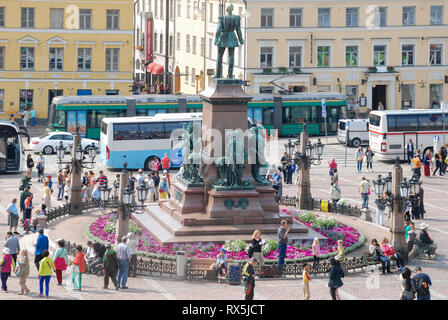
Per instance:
(226,38)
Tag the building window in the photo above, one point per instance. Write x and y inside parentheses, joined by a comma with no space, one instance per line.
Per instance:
(203,8)
(2,99)
(171,46)
(266,57)
(155,40)
(380,16)
(210,48)
(188,9)
(407,54)
(162,12)
(171,9)
(2,16)
(295,56)
(408,16)
(161,44)
(323,56)
(267,17)
(179,8)
(26,58)
(178,40)
(323,88)
(211,12)
(379,55)
(25,99)
(295,17)
(351,56)
(324,17)
(436,15)
(351,17)
(56,18)
(112,58)
(407,96)
(194,44)
(202,47)
(435,95)
(352,96)
(85,19)
(2,58)
(27,18)
(193,77)
(56,59)
(187,74)
(266,89)
(187,41)
(113,19)
(84,59)
(435,54)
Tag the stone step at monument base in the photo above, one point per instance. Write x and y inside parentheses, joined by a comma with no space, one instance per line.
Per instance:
(166,229)
(198,218)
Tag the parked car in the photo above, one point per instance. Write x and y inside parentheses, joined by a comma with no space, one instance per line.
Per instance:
(48,142)
(354,132)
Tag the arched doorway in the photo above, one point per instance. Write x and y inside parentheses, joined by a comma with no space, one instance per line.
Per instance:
(177,80)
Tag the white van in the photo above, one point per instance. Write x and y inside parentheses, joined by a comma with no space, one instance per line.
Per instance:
(354,132)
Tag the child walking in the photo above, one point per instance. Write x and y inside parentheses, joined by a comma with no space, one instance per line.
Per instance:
(316,252)
(306,282)
(79,266)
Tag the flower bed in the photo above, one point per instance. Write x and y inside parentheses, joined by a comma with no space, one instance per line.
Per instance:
(103,229)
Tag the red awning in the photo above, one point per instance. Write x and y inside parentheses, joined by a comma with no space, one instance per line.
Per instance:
(155,68)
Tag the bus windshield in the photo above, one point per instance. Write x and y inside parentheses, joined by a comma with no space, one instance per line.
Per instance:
(375,120)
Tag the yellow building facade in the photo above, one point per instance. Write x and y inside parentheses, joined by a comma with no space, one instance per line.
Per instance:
(51,48)
(392,52)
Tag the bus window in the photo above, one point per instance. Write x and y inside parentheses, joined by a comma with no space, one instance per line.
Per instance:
(104,127)
(267,116)
(391,125)
(375,120)
(59,119)
(406,123)
(152,130)
(126,131)
(141,112)
(428,122)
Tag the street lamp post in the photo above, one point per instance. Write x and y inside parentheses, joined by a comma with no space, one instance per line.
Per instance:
(77,163)
(397,190)
(304,157)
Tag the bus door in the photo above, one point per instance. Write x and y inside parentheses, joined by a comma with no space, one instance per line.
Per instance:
(75,118)
(176,144)
(406,137)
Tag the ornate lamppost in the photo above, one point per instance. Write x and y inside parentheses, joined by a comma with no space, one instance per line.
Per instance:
(77,162)
(308,154)
(396,191)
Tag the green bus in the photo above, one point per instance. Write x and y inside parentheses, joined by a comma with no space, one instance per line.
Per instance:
(287,113)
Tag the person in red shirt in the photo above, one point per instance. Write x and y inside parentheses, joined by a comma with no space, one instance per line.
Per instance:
(166,167)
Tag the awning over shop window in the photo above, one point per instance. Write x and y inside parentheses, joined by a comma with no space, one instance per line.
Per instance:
(154,68)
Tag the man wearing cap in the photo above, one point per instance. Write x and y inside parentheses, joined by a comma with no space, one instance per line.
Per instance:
(249,279)
(110,263)
(422,284)
(41,246)
(424,238)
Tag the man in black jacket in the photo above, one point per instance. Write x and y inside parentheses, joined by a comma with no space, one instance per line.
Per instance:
(99,250)
(424,238)
(249,279)
(110,262)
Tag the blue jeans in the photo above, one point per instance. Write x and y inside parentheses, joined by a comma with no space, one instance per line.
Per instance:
(47,284)
(281,253)
(359,165)
(123,269)
(385,262)
(427,297)
(365,200)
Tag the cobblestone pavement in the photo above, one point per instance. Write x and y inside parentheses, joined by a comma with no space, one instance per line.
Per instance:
(356,285)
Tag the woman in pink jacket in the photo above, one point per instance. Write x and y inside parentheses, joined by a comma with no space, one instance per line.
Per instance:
(390,253)
(316,252)
(7,264)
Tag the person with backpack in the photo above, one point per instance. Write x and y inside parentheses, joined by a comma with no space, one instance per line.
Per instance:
(408,285)
(110,266)
(422,284)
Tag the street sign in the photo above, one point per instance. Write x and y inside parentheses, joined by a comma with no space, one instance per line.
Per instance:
(324,108)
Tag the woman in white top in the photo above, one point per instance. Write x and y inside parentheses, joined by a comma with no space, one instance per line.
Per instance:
(67,189)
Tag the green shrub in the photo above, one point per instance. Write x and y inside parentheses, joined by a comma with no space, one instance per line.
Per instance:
(110,228)
(307,217)
(134,228)
(325,223)
(235,245)
(271,245)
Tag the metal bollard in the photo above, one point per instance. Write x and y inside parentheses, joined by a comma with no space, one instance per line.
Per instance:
(181,264)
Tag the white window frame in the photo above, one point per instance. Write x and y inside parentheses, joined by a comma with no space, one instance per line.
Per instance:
(111,63)
(34,59)
(27,19)
(329,18)
(377,16)
(84,50)
(114,15)
(265,18)
(84,17)
(325,43)
(356,9)
(352,43)
(57,57)
(298,16)
(297,43)
(441,16)
(2,16)
(2,56)
(403,12)
(380,43)
(60,24)
(436,41)
(408,42)
(266,43)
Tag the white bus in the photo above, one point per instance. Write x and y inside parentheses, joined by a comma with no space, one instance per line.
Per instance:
(12,150)
(389,131)
(139,140)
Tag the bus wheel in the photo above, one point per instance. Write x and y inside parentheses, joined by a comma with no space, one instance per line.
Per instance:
(48,150)
(148,163)
(356,142)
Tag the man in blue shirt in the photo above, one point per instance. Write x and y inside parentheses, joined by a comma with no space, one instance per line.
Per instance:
(13,216)
(41,246)
(422,283)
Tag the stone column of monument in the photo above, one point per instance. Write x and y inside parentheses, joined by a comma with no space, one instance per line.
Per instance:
(397,228)
(305,200)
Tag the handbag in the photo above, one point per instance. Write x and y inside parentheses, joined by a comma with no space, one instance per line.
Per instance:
(359,159)
(20,272)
